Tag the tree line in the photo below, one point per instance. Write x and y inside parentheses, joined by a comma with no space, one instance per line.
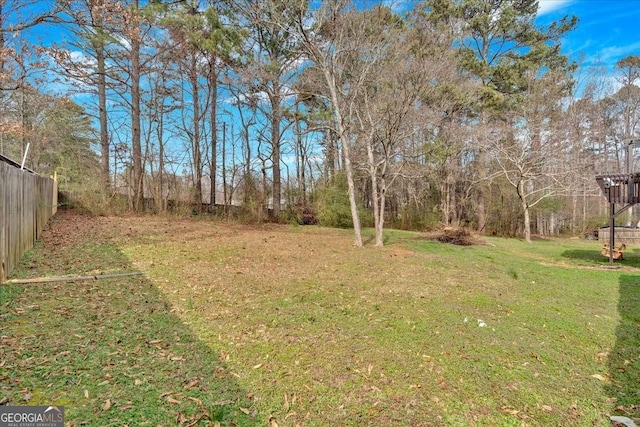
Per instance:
(462,113)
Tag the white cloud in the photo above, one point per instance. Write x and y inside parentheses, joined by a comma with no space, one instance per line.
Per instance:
(614,53)
(82,59)
(548,6)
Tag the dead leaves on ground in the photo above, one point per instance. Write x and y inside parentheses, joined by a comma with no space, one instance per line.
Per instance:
(527,413)
(600,378)
(192,383)
(190,420)
(173,401)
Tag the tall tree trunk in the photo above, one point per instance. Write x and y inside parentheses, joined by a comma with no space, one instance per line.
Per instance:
(303,176)
(160,130)
(584,210)
(375,196)
(23,118)
(136,147)
(527,213)
(224,165)
(540,219)
(276,117)
(346,156)
(104,132)
(382,195)
(351,188)
(213,87)
(481,217)
(331,159)
(250,183)
(301,160)
(197,157)
(445,199)
(574,213)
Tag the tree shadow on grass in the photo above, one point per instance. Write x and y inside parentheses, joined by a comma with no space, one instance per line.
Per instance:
(624,359)
(111,351)
(631,258)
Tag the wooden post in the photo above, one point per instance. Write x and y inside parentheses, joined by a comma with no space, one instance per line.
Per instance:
(612,230)
(630,192)
(72,278)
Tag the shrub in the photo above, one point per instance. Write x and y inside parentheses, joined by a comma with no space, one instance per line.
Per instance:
(331,203)
(299,215)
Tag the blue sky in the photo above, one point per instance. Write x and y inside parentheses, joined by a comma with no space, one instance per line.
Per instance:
(607,31)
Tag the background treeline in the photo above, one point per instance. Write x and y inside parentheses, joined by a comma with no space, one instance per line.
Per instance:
(349,113)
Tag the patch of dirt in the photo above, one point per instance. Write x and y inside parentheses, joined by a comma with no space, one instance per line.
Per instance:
(399,252)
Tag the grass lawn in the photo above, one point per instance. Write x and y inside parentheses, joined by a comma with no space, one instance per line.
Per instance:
(283,326)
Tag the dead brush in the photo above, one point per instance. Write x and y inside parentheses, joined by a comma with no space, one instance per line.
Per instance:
(454,236)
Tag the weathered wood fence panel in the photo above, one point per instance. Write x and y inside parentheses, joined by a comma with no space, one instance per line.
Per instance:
(628,236)
(27,201)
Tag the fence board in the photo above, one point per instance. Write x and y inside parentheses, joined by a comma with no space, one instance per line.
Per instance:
(3,215)
(27,201)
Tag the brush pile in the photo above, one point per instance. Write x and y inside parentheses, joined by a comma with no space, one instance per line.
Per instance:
(454,236)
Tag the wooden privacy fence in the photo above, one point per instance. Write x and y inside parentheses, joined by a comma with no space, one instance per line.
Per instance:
(27,201)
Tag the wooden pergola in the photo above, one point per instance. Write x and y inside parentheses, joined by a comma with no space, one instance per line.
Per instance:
(621,189)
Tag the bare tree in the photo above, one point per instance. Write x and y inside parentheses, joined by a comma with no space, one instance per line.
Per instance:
(333,44)
(406,95)
(528,152)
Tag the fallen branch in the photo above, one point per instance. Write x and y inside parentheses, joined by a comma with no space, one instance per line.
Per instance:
(71,278)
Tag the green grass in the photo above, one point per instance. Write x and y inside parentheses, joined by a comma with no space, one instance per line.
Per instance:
(294,325)
(110,351)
